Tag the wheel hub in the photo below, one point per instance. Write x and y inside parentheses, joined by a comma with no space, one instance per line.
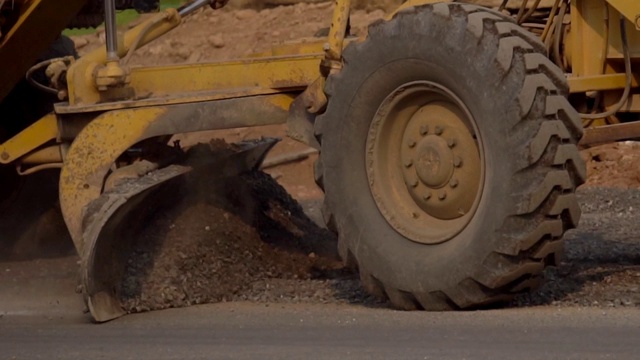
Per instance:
(426,135)
(433,161)
(436,178)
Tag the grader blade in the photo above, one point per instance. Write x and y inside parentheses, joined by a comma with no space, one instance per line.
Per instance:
(115,219)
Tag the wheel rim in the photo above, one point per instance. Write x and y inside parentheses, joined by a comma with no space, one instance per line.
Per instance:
(424,162)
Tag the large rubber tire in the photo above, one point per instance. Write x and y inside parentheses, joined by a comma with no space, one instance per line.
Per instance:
(531,165)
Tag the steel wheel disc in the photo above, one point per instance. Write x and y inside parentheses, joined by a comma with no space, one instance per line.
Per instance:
(424,162)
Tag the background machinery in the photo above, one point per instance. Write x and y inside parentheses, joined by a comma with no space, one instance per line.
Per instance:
(448,135)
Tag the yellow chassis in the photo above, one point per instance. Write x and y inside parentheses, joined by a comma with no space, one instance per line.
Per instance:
(98,123)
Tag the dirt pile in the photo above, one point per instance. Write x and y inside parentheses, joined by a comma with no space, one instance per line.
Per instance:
(243,238)
(356,4)
(224,34)
(613,165)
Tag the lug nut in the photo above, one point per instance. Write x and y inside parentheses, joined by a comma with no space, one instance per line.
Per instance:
(451,143)
(442,195)
(413,183)
(426,196)
(408,163)
(411,143)
(438,130)
(415,215)
(453,183)
(457,161)
(424,130)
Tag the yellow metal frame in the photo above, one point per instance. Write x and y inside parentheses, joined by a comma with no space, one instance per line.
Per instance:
(105,138)
(630,10)
(588,39)
(204,82)
(582,84)
(33,137)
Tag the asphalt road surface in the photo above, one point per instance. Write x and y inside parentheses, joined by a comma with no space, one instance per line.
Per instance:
(57,329)
(253,331)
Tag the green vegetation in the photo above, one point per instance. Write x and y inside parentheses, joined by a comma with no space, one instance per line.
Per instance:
(125,17)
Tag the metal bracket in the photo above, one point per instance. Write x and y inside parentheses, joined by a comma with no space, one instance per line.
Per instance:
(629,9)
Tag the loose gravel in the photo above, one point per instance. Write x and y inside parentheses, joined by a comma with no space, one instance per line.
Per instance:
(244,240)
(211,249)
(601,267)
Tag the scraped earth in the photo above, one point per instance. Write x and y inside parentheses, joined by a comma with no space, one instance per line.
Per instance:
(244,239)
(247,239)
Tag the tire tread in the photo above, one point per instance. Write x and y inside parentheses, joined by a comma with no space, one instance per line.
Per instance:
(549,208)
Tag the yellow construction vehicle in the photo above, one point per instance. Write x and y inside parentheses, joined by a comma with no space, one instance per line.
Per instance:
(448,135)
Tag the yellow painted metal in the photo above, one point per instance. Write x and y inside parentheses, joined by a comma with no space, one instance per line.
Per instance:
(63,108)
(305,46)
(599,82)
(596,63)
(587,22)
(335,42)
(80,77)
(589,27)
(315,97)
(277,73)
(104,139)
(216,81)
(629,8)
(47,155)
(91,155)
(36,135)
(111,75)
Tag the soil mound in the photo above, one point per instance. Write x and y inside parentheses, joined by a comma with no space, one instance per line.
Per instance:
(240,238)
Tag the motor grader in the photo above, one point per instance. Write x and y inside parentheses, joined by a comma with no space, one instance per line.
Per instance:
(448,135)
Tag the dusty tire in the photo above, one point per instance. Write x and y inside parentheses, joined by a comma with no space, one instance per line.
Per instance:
(525,131)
